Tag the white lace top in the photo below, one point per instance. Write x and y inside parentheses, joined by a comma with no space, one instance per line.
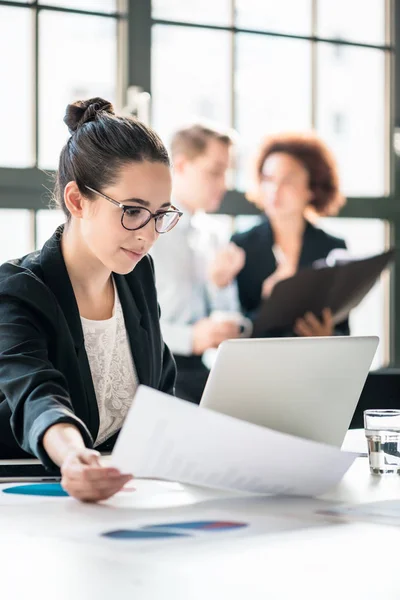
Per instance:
(112,367)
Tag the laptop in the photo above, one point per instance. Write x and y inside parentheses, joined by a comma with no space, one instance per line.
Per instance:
(308,387)
(19,470)
(30,470)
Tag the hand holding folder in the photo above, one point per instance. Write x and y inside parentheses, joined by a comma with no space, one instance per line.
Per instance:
(340,288)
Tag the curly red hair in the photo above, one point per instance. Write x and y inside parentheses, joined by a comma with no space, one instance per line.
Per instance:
(317,159)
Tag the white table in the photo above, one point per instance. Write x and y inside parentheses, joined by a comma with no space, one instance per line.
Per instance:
(51,548)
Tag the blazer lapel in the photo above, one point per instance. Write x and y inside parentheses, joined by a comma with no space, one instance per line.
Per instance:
(132,297)
(56,276)
(268,263)
(307,255)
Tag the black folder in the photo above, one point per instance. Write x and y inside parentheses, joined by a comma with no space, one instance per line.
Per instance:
(340,288)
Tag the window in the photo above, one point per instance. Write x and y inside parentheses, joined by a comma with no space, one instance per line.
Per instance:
(270,95)
(16,233)
(68,44)
(16,75)
(106,6)
(73,57)
(354,20)
(281,79)
(351,114)
(284,16)
(209,12)
(187,60)
(47,222)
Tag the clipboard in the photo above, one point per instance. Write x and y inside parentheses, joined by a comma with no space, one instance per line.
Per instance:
(340,288)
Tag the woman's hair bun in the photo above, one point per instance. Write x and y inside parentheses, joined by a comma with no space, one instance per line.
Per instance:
(83,111)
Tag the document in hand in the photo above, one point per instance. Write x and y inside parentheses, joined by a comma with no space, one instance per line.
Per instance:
(340,288)
(167,438)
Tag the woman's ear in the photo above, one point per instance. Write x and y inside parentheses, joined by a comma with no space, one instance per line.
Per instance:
(73,199)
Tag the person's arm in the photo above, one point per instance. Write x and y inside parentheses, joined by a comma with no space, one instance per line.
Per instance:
(226,264)
(60,440)
(184,327)
(83,476)
(224,299)
(36,392)
(43,420)
(170,270)
(177,336)
(188,339)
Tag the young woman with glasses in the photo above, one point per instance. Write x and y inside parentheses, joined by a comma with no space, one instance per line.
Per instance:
(79,320)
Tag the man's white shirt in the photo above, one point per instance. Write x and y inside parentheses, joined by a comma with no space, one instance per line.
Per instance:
(185,294)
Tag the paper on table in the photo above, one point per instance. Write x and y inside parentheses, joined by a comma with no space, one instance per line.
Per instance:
(167,438)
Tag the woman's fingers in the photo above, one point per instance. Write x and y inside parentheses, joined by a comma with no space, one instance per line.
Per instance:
(301,328)
(84,478)
(311,326)
(327,317)
(312,321)
(90,491)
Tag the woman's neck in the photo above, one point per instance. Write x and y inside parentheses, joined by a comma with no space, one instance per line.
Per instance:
(286,230)
(90,279)
(288,237)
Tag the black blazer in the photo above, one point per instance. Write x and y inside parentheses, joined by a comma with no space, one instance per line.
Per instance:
(45,375)
(261,263)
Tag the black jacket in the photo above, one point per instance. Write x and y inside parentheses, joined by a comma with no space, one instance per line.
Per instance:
(45,376)
(261,263)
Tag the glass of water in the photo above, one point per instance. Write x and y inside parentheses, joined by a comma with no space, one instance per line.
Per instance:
(382,430)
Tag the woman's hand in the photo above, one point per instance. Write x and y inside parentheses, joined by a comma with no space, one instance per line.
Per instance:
(310,326)
(282,272)
(84,478)
(226,265)
(208,333)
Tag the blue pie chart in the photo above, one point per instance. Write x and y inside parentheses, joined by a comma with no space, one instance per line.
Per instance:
(36,489)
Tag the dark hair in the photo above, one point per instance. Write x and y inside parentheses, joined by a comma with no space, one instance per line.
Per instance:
(100,144)
(317,159)
(192,140)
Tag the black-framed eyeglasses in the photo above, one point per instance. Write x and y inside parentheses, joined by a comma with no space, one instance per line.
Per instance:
(136,217)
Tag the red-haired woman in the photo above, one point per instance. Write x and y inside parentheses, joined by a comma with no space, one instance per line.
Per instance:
(296,180)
